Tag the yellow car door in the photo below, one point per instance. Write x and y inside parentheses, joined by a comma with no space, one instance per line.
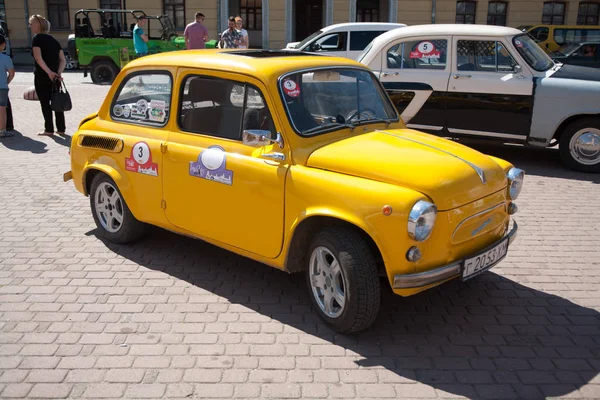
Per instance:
(214,185)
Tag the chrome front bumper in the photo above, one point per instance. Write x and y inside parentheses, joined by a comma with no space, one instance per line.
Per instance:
(445,272)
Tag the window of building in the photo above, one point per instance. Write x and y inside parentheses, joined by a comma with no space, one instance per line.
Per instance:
(420,54)
(554,13)
(110,4)
(465,12)
(175,9)
(497,13)
(251,13)
(222,108)
(484,56)
(367,11)
(588,13)
(58,14)
(2,10)
(144,99)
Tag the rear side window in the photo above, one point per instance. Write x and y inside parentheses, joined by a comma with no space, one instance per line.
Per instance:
(222,108)
(419,54)
(359,40)
(143,99)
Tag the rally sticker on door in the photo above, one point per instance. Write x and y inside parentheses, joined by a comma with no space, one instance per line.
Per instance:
(211,165)
(425,50)
(140,160)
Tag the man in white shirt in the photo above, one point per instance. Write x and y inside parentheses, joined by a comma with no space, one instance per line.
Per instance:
(245,41)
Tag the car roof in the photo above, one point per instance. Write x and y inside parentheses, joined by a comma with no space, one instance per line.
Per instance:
(266,65)
(446,29)
(358,26)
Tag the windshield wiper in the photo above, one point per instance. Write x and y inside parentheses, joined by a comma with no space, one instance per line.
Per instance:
(329,125)
(362,121)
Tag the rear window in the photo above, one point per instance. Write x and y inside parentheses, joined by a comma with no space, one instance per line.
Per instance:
(359,40)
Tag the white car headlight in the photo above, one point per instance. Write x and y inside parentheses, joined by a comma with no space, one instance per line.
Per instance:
(421,220)
(515,182)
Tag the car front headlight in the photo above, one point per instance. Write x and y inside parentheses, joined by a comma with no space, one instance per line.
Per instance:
(421,220)
(515,182)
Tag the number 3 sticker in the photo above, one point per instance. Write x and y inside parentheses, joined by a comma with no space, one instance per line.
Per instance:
(141,153)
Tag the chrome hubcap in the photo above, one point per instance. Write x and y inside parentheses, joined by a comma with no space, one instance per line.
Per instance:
(327,282)
(585,146)
(109,207)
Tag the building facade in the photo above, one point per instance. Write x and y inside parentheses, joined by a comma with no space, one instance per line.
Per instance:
(273,23)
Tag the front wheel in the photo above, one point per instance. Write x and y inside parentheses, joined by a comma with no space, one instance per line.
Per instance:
(103,71)
(111,214)
(343,281)
(580,145)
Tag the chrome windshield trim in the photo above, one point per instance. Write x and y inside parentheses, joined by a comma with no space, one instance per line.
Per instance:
(478,170)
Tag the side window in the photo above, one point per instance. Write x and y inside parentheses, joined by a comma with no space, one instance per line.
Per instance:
(332,42)
(540,34)
(420,54)
(144,99)
(219,108)
(359,40)
(484,56)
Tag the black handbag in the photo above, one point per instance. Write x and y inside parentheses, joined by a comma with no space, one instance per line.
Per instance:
(60,100)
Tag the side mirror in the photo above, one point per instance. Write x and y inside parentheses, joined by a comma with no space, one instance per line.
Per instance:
(260,138)
(518,69)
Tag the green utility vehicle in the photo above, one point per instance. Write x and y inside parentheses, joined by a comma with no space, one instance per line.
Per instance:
(103,40)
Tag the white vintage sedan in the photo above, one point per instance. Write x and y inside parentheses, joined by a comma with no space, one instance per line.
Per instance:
(491,82)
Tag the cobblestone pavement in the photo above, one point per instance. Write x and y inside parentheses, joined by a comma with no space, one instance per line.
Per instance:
(171,317)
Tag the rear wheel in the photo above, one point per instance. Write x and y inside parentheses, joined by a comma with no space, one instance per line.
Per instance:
(103,71)
(342,279)
(580,145)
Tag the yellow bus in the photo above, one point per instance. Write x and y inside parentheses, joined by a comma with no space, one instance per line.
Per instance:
(553,37)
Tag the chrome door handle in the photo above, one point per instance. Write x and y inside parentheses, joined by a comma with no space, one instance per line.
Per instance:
(275,156)
(386,73)
(456,76)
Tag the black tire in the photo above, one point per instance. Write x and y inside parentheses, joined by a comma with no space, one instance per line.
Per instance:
(566,153)
(130,229)
(103,71)
(361,285)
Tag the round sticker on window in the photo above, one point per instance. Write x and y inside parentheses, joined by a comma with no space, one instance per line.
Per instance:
(142,106)
(126,111)
(518,43)
(291,88)
(118,110)
(426,47)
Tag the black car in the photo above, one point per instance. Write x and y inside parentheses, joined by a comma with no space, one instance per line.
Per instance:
(585,54)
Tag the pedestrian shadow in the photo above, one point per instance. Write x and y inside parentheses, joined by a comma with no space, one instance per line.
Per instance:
(20,142)
(64,140)
(490,337)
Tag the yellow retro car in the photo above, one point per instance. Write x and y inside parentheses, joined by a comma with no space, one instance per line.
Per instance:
(297,161)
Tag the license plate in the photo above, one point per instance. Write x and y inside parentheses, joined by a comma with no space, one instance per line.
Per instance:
(476,265)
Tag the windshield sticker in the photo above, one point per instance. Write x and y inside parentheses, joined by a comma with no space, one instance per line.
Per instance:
(211,165)
(518,43)
(425,50)
(140,160)
(126,111)
(158,110)
(291,88)
(118,110)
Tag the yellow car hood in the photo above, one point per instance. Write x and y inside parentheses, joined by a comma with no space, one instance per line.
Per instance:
(449,173)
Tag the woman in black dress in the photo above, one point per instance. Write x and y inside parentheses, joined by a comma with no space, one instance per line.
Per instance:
(50,62)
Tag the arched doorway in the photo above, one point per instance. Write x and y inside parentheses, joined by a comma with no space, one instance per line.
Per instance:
(308,17)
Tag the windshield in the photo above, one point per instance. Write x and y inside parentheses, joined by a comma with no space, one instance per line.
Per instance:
(323,100)
(532,53)
(365,51)
(308,39)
